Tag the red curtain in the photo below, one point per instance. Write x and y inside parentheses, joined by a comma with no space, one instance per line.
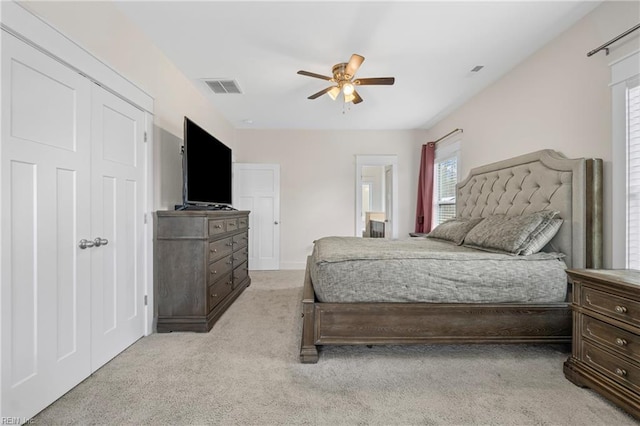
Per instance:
(425,189)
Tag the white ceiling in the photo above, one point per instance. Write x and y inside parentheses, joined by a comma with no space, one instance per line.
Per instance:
(429,47)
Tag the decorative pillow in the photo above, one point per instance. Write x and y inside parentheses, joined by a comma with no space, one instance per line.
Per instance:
(454,230)
(507,233)
(541,237)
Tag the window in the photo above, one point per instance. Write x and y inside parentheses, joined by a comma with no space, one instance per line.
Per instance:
(633,175)
(625,87)
(445,170)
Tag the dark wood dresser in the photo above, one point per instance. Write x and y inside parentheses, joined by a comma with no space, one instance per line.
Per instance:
(606,335)
(200,266)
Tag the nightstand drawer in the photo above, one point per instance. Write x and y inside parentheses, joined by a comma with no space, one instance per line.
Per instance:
(620,308)
(612,337)
(612,366)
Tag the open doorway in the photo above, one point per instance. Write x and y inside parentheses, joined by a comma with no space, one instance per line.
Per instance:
(376,193)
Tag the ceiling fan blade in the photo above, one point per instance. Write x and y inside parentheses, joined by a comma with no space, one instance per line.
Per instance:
(378,81)
(353,65)
(320,93)
(357,98)
(312,74)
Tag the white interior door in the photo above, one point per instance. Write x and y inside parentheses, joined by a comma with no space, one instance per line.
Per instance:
(388,201)
(256,187)
(117,217)
(45,291)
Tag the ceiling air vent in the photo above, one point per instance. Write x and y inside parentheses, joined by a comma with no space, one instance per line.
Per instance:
(220,86)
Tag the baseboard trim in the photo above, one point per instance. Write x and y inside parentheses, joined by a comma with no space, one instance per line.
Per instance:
(293,265)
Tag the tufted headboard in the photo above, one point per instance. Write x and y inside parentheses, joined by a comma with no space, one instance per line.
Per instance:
(543,180)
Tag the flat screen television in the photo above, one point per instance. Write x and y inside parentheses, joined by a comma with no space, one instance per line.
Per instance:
(206,169)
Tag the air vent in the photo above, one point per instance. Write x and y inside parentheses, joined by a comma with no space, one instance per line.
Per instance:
(477,68)
(223,86)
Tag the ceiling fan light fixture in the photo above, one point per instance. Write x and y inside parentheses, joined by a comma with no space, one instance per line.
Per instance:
(348,89)
(349,98)
(334,92)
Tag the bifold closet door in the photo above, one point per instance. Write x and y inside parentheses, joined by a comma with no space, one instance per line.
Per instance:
(72,160)
(45,192)
(117,218)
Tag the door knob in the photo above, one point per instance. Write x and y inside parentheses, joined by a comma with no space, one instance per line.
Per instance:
(83,244)
(276,222)
(100,242)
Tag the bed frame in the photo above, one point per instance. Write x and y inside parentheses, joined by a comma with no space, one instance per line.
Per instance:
(524,184)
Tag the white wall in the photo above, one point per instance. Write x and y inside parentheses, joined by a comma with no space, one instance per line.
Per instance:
(109,35)
(317,177)
(558,98)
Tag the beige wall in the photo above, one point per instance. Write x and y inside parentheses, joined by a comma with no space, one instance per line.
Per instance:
(558,98)
(317,179)
(92,25)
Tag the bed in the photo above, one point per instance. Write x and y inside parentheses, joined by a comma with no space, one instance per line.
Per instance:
(528,184)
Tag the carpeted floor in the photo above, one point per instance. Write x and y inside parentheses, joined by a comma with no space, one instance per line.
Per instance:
(246,372)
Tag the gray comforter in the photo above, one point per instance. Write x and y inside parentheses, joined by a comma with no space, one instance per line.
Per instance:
(350,269)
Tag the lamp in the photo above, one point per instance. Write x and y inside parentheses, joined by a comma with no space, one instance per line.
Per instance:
(349,98)
(348,89)
(334,92)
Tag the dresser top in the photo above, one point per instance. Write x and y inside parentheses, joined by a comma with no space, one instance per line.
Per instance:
(621,276)
(201,213)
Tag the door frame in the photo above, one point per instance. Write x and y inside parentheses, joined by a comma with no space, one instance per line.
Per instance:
(377,160)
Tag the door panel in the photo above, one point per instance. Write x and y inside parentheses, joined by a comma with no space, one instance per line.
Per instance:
(117,216)
(45,291)
(257,189)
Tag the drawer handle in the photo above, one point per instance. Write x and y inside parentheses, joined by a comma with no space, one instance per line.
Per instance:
(214,250)
(621,309)
(621,372)
(214,272)
(230,282)
(621,342)
(229,263)
(229,244)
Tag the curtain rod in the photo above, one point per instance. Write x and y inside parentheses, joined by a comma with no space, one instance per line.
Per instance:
(447,135)
(610,42)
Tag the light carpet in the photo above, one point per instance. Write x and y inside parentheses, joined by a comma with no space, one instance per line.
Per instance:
(246,372)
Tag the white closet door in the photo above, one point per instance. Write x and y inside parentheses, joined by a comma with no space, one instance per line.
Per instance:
(257,189)
(45,291)
(117,216)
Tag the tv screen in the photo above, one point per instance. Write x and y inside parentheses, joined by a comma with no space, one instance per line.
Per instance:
(206,168)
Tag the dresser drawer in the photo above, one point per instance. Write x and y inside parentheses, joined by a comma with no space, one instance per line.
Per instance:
(220,290)
(232,224)
(617,307)
(240,240)
(243,223)
(612,337)
(240,274)
(240,256)
(220,226)
(219,269)
(220,248)
(612,366)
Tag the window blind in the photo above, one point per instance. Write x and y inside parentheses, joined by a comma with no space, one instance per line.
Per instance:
(447,177)
(633,176)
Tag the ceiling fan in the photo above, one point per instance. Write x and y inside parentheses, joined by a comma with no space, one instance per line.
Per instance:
(343,74)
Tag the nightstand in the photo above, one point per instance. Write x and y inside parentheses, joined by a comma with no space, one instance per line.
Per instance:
(605,352)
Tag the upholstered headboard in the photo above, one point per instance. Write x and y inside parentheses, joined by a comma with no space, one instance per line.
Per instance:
(543,180)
